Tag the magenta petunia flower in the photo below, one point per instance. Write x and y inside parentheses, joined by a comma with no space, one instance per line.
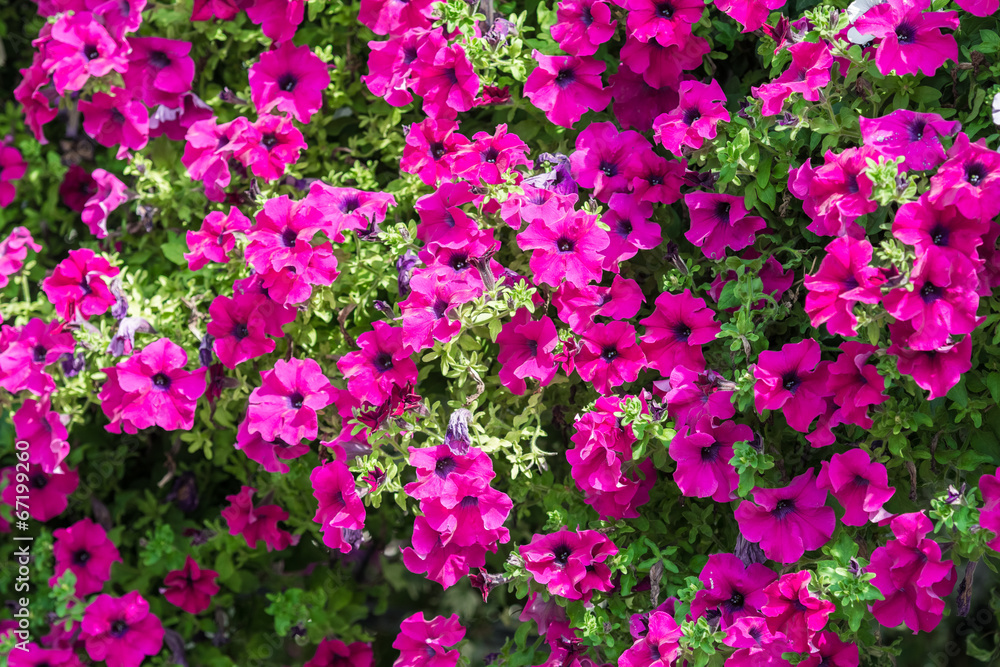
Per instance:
(630,229)
(751,14)
(936,371)
(286,403)
(943,301)
(80,47)
(432,145)
(969,180)
(911,40)
(237,329)
(792,610)
(111,193)
(756,645)
(289,78)
(36,656)
(659,647)
(794,381)
(340,507)
(281,234)
(939,230)
(789,521)
(152,388)
(609,356)
(691,395)
(43,429)
(720,221)
(207,151)
(855,383)
(442,219)
(570,564)
(979,7)
(48,494)
(635,103)
(159,70)
(85,549)
(703,454)
(216,238)
(191,588)
(223,10)
(859,484)
(664,67)
(654,179)
(120,17)
(566,87)
(915,137)
(473,516)
(268,453)
(77,286)
(278,19)
(444,563)
(733,589)
(395,17)
(424,643)
(666,21)
(391,63)
(831,651)
(845,277)
(26,351)
(335,653)
(121,631)
(601,157)
(270,145)
(32,94)
(700,108)
(116,120)
(578,306)
(582,26)
(526,348)
(566,247)
(12,168)
(446,81)
(256,523)
(808,74)
(488,157)
(911,576)
(13,252)
(676,330)
(427,313)
(382,363)
(989,515)
(837,193)
(276,314)
(76,188)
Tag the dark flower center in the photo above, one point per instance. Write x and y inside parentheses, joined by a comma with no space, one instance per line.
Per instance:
(916,129)
(269,141)
(682,332)
(459,262)
(722,210)
(736,601)
(295,400)
(490,155)
(655,179)
(288,237)
(468,502)
(665,10)
(533,348)
(240,331)
(565,77)
(939,235)
(451,75)
(118,629)
(691,115)
(287,82)
(117,116)
(561,555)
(975,173)
(852,183)
(38,353)
(437,150)
(81,557)
(382,362)
(586,16)
(851,282)
(624,226)
(791,381)
(159,59)
(161,381)
(860,481)
(564,244)
(444,466)
(440,307)
(91,52)
(906,33)
(608,168)
(783,508)
(350,204)
(930,292)
(710,453)
(609,353)
(409,54)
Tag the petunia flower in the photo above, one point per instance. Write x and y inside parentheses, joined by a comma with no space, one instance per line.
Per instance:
(80,47)
(601,156)
(77,286)
(286,403)
(395,17)
(699,109)
(488,157)
(915,137)
(969,180)
(446,81)
(237,329)
(731,588)
(12,168)
(382,362)
(291,79)
(432,145)
(936,371)
(26,351)
(43,431)
(568,563)
(582,26)
(755,643)
(664,66)
(808,74)
(788,521)
(635,103)
(792,380)
(751,14)
(659,647)
(47,493)
(33,655)
(191,588)
(654,179)
(13,252)
(85,549)
(160,70)
(423,642)
(566,87)
(720,221)
(831,651)
(845,277)
(270,454)
(116,119)
(609,356)
(121,631)
(855,383)
(278,19)
(32,95)
(565,247)
(526,348)
(835,194)
(666,21)
(939,230)
(676,330)
(111,193)
(223,10)
(442,220)
(428,312)
(215,239)
(335,653)
(911,38)
(792,610)
(630,229)
(270,145)
(859,484)
(578,306)
(691,395)
(256,523)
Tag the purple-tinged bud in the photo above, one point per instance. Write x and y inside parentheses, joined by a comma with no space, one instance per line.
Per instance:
(559,179)
(955,495)
(230,97)
(184,492)
(404,267)
(383,307)
(72,364)
(498,33)
(124,340)
(485,582)
(205,350)
(120,310)
(748,552)
(457,436)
